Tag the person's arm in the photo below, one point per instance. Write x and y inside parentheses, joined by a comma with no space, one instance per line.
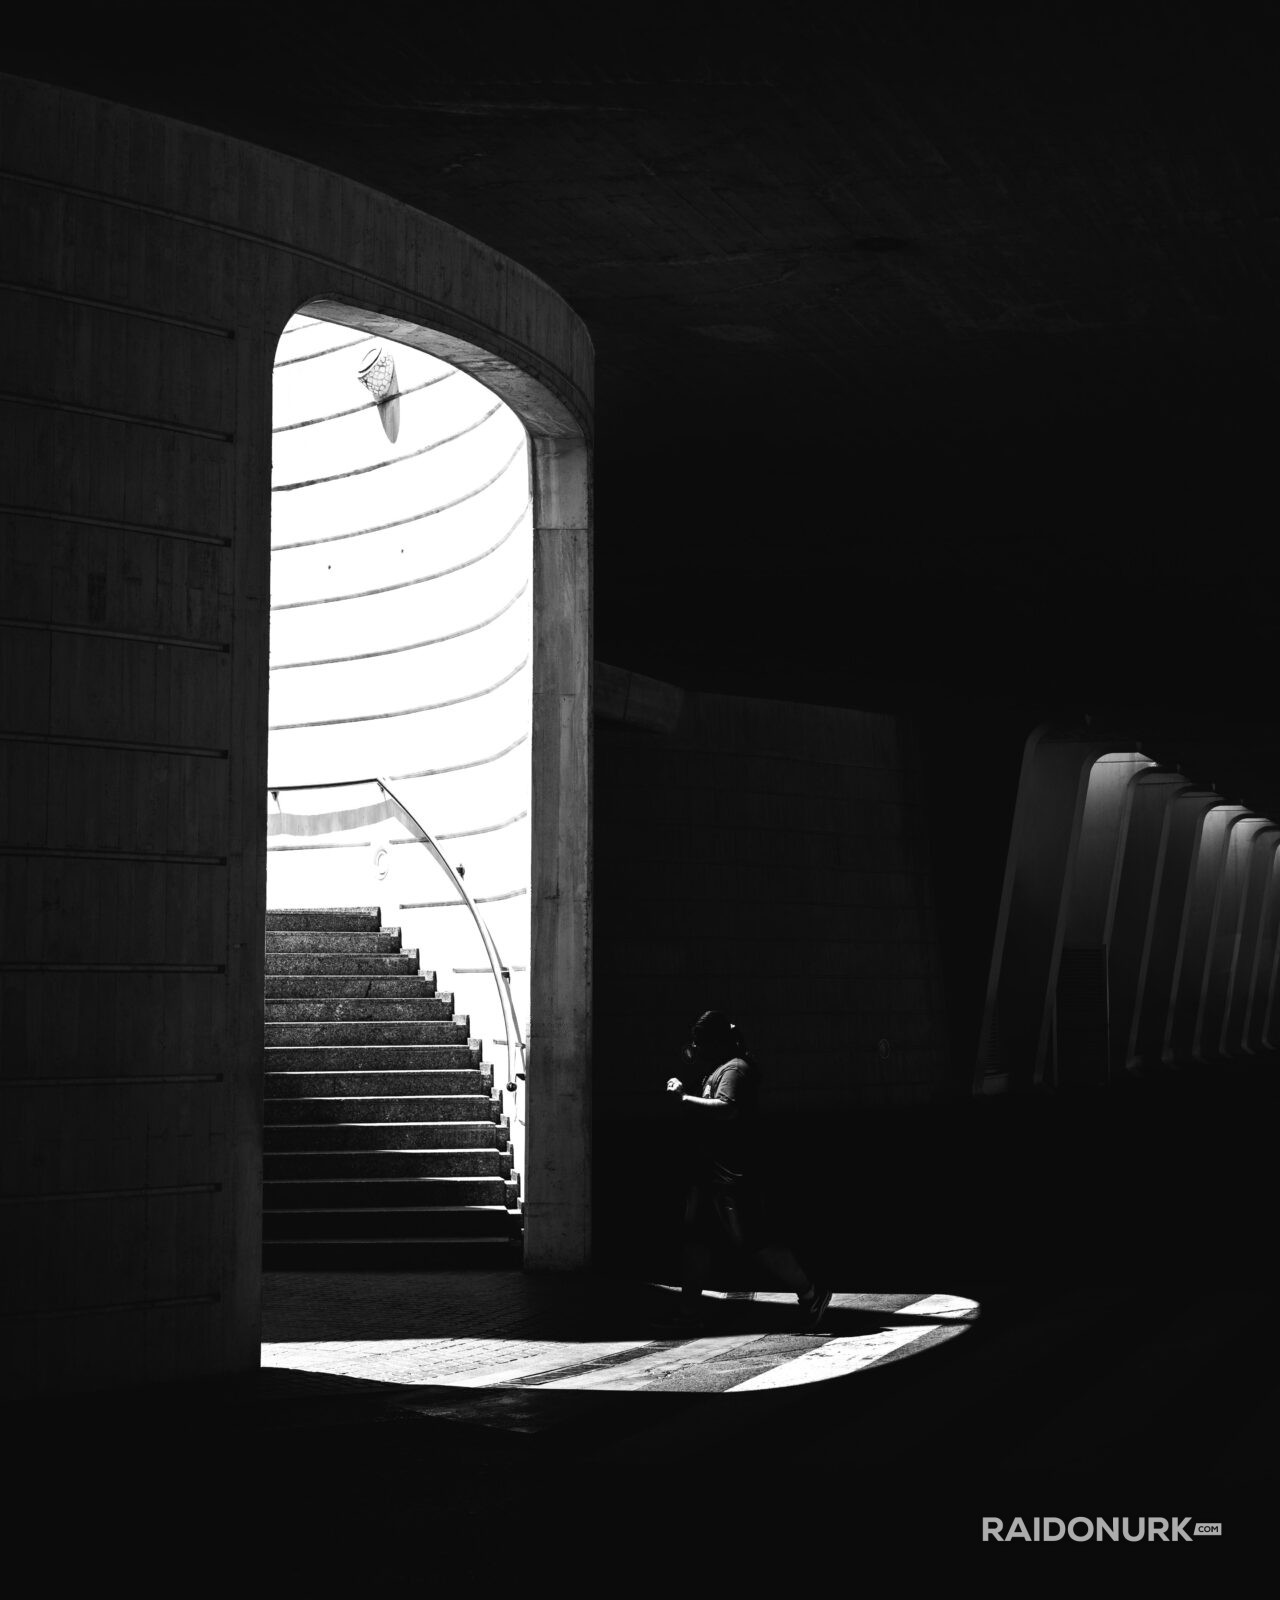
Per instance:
(723,1103)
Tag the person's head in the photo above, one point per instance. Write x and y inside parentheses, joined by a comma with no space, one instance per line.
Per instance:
(713,1041)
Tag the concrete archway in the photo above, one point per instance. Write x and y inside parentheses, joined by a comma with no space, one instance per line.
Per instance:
(557,1174)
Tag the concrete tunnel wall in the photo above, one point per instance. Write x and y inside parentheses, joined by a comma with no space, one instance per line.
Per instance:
(148,269)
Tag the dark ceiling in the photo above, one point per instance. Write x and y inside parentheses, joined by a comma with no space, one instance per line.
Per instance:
(966,311)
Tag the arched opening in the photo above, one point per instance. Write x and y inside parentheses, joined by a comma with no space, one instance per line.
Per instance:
(430,606)
(398,877)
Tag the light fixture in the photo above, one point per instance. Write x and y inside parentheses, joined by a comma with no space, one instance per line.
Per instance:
(378,374)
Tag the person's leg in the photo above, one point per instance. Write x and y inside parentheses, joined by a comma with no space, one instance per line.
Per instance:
(781,1261)
(740,1216)
(812,1299)
(778,1258)
(696,1255)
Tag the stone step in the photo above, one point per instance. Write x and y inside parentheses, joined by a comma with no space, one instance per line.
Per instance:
(315,1137)
(339,961)
(388,1223)
(372,1008)
(370,1057)
(284,1165)
(361,1033)
(385,942)
(382,1108)
(383,1194)
(399,1082)
(354,986)
(327,919)
(399,1255)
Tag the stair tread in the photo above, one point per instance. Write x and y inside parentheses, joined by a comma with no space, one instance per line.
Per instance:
(333,1010)
(456,1044)
(375,1211)
(426,1177)
(411,983)
(392,1076)
(408,1238)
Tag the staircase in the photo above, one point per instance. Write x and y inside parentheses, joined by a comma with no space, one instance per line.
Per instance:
(386,1146)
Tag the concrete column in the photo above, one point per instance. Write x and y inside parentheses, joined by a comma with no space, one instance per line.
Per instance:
(1148,796)
(1199,908)
(558,1099)
(1259,873)
(1082,993)
(1224,938)
(1180,836)
(1031,926)
(1260,1018)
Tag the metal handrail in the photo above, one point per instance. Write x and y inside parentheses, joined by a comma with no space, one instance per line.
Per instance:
(501,974)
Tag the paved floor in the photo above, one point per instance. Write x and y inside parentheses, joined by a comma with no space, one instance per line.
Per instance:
(484,1331)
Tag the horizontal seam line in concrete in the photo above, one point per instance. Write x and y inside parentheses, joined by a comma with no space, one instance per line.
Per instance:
(132,419)
(365,405)
(110,1194)
(400,522)
(409,711)
(80,741)
(393,461)
(111,966)
(44,513)
(463,766)
(177,640)
(401,649)
(116,307)
(479,899)
(212,1299)
(169,857)
(330,349)
(145,1079)
(409,583)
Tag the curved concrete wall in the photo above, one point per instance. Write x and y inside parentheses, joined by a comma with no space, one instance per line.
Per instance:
(148,269)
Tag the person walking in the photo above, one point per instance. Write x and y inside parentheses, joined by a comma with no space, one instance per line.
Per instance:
(723,1201)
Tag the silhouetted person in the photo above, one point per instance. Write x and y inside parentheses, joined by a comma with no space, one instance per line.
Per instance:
(723,1199)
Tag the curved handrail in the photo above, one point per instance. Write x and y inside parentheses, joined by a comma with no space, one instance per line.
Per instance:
(501,974)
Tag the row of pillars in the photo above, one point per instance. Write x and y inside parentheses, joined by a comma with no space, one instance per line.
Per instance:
(1137,928)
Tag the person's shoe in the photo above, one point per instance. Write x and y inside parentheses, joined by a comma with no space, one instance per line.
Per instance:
(813,1308)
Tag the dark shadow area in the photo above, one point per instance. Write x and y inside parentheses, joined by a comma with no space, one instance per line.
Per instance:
(1150,1177)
